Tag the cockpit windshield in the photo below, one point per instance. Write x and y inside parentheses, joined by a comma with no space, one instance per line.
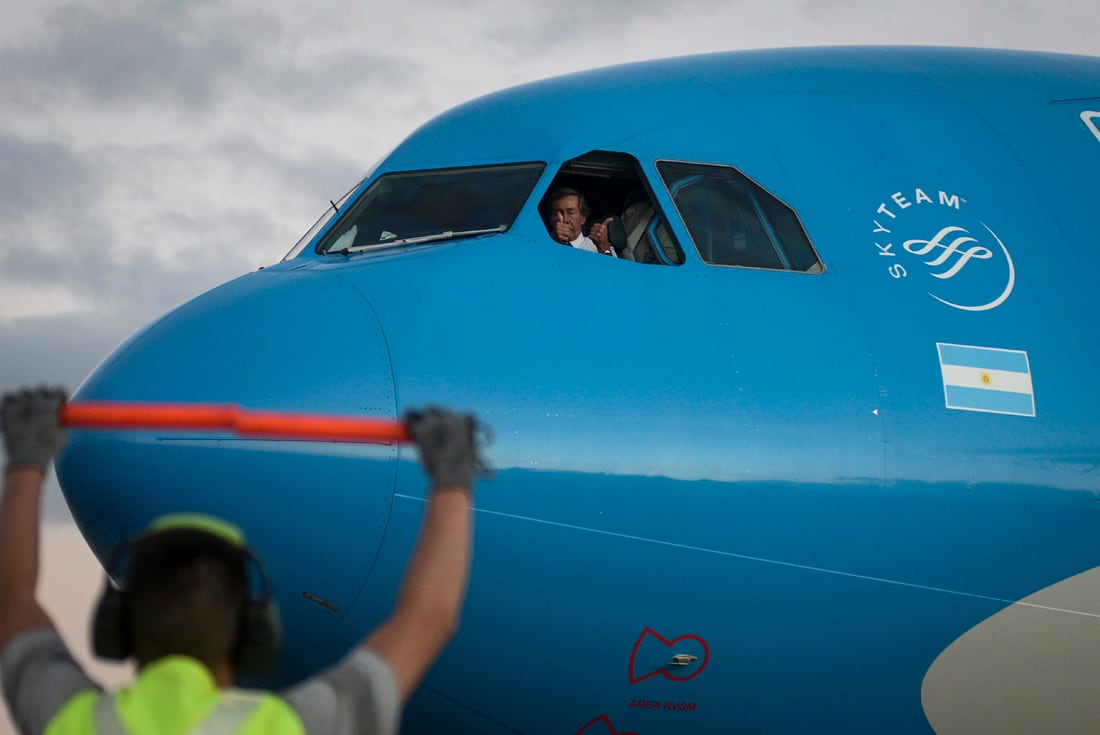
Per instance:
(424,206)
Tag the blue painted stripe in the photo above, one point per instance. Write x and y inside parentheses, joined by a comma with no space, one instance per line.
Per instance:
(996,401)
(982,357)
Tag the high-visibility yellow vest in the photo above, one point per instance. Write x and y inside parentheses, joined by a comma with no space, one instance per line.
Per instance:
(175,695)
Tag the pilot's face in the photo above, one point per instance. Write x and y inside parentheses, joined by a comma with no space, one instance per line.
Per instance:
(566,219)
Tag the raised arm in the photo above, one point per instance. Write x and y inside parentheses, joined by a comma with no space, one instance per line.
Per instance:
(32,437)
(429,603)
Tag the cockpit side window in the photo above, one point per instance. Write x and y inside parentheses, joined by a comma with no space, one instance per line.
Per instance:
(409,207)
(614,188)
(734,221)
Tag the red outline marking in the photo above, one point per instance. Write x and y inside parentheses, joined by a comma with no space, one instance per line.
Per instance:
(610,728)
(664,671)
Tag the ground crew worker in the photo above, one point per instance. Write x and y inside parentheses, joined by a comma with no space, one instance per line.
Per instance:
(185,609)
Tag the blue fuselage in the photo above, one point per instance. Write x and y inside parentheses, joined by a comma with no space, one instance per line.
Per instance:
(810,484)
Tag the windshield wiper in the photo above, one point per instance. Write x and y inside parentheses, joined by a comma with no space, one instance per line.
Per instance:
(434,237)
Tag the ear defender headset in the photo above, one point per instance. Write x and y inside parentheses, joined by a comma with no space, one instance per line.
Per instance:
(261,630)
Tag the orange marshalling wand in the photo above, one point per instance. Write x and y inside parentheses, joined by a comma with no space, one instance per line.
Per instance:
(230,418)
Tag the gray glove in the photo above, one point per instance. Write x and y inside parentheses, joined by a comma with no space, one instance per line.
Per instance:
(448,446)
(31,423)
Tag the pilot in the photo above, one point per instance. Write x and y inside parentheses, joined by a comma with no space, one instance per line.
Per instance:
(185,611)
(566,213)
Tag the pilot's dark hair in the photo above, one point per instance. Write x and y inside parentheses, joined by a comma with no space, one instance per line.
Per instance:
(187,590)
(566,191)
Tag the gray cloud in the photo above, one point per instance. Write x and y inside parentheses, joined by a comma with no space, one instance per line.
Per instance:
(159,52)
(189,56)
(36,176)
(317,175)
(56,228)
(553,26)
(60,350)
(332,77)
(64,225)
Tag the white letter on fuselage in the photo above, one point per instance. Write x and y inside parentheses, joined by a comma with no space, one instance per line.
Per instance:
(1089,118)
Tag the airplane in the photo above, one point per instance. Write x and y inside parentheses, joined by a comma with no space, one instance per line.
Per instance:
(817,452)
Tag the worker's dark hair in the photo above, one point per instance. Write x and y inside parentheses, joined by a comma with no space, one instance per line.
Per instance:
(187,591)
(567,191)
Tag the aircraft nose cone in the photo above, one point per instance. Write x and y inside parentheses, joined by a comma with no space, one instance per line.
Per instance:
(313,511)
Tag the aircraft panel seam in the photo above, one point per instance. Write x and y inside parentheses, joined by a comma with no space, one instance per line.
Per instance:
(792,565)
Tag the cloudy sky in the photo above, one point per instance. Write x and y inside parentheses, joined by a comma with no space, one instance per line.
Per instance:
(151,149)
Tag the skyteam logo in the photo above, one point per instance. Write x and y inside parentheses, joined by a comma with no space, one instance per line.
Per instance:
(931,240)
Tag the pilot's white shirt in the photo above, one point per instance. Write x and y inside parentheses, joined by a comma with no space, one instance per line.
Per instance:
(584,243)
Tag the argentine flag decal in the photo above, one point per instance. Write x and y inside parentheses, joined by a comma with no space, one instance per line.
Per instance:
(986,379)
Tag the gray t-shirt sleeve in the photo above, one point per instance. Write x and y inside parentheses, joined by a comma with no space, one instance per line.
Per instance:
(39,676)
(357,695)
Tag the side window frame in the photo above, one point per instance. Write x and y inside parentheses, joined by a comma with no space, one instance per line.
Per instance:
(765,246)
(588,172)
